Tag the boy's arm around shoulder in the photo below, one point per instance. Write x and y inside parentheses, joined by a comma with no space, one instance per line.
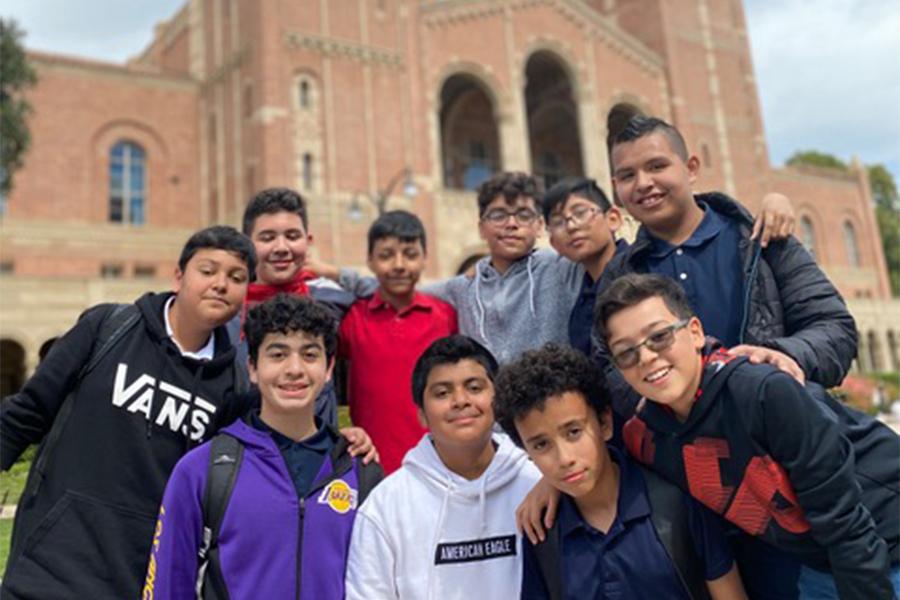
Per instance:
(372,559)
(172,569)
(27,416)
(820,333)
(819,463)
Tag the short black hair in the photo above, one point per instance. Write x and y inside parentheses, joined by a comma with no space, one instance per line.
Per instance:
(634,288)
(573,186)
(289,313)
(449,351)
(220,237)
(400,224)
(525,384)
(274,200)
(640,126)
(510,185)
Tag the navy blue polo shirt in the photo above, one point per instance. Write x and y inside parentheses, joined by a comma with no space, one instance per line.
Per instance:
(303,458)
(708,266)
(628,561)
(581,319)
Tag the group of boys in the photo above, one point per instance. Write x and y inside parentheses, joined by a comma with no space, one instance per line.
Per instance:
(723,470)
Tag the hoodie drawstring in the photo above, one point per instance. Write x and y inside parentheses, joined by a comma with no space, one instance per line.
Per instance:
(479,304)
(482,505)
(531,286)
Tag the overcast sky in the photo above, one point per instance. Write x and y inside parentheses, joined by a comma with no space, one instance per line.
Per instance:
(827,70)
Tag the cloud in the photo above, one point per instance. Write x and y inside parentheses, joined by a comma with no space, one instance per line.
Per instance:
(101,29)
(828,77)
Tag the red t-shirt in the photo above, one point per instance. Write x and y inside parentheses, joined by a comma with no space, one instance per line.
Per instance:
(382,347)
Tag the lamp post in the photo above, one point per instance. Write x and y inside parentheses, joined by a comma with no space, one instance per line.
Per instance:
(380,198)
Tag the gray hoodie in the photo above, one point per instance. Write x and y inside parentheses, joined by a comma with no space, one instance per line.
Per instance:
(522,309)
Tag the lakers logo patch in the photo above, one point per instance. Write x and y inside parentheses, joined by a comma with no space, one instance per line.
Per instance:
(339,496)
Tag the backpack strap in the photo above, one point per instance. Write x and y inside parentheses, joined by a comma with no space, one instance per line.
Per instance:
(669,514)
(549,556)
(114,325)
(225,456)
(367,476)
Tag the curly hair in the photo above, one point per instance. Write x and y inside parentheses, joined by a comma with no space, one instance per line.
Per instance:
(271,201)
(288,313)
(449,351)
(526,384)
(510,185)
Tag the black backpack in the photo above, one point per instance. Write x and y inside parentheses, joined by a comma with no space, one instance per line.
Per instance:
(669,516)
(225,456)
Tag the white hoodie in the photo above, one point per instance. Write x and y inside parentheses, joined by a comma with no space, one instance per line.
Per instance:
(425,532)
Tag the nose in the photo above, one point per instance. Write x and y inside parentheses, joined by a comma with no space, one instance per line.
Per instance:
(565,455)
(293,365)
(220,281)
(279,244)
(643,179)
(398,263)
(570,224)
(645,354)
(459,398)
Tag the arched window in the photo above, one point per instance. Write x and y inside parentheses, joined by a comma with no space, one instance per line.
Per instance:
(127,183)
(307,171)
(808,235)
(303,94)
(850,244)
(470,144)
(552,118)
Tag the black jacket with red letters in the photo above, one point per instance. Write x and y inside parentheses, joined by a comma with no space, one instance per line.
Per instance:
(788,464)
(84,528)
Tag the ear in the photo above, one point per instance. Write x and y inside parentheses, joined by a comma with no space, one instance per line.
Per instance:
(698,337)
(309,238)
(693,167)
(606,424)
(251,370)
(613,219)
(176,281)
(423,420)
(330,370)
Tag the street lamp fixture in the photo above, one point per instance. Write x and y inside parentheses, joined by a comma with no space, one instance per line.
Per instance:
(381,197)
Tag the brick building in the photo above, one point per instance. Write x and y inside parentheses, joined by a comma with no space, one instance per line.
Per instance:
(354,100)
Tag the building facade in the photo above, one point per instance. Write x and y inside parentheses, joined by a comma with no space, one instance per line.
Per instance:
(348,100)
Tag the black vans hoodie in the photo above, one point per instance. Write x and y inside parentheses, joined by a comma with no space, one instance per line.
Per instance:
(84,529)
(788,464)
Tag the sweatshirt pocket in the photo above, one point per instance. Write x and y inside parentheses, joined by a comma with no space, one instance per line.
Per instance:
(84,547)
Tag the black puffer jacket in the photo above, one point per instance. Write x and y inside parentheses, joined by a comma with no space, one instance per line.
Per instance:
(789,303)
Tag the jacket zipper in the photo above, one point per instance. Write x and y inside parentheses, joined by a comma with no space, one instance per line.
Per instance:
(300,544)
(745,318)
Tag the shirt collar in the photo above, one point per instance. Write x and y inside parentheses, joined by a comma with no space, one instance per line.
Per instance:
(320,440)
(632,503)
(420,301)
(207,352)
(709,227)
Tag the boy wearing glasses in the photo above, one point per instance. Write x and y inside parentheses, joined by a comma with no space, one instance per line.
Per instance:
(582,224)
(786,464)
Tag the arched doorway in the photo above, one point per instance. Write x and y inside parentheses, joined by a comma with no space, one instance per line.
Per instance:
(470,144)
(12,367)
(874,352)
(553,131)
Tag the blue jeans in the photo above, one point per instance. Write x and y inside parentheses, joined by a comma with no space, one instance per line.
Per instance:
(816,585)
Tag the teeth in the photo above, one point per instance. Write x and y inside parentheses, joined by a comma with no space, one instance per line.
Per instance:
(657,375)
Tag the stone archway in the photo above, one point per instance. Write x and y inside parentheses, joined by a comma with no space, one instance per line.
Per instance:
(470,142)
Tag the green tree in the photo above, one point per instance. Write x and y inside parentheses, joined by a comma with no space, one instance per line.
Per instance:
(816,159)
(15,76)
(887,205)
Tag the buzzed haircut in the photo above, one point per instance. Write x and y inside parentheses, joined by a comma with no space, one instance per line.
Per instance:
(400,224)
(289,313)
(449,351)
(220,237)
(581,187)
(632,289)
(510,185)
(640,126)
(271,201)
(525,384)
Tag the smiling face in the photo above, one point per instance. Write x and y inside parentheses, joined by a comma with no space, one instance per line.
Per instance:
(457,405)
(509,240)
(670,376)
(212,287)
(592,237)
(290,371)
(281,243)
(654,182)
(397,265)
(567,442)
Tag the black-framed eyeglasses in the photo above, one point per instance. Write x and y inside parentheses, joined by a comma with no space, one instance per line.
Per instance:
(498,216)
(578,217)
(656,341)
